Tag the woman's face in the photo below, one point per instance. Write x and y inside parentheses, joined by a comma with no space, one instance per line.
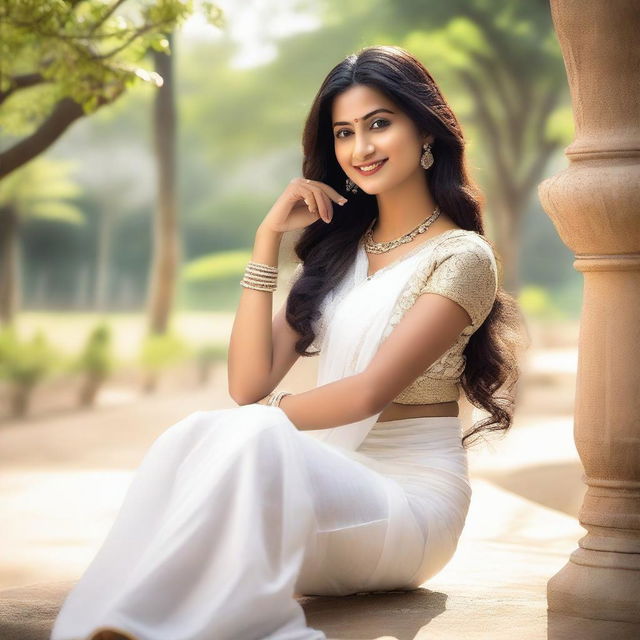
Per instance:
(367,128)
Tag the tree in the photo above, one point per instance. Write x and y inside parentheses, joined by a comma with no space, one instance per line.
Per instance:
(62,60)
(166,238)
(42,189)
(505,58)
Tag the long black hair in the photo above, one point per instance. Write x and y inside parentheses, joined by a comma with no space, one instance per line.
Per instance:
(327,250)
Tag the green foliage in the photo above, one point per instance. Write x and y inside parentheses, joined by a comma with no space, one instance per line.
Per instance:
(162,351)
(88,51)
(217,266)
(24,363)
(212,282)
(219,296)
(560,125)
(212,13)
(537,302)
(211,352)
(43,189)
(96,357)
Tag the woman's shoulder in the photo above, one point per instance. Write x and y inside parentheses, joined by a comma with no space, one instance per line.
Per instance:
(458,241)
(463,256)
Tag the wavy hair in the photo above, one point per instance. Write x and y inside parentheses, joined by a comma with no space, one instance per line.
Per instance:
(327,250)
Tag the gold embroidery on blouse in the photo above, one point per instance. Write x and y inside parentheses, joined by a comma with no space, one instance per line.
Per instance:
(476,294)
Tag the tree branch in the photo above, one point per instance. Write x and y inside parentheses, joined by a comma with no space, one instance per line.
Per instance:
(106,15)
(137,33)
(22,82)
(493,35)
(65,113)
(535,170)
(487,121)
(546,147)
(511,107)
(548,104)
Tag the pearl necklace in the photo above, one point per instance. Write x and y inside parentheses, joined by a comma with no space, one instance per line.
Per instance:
(371,246)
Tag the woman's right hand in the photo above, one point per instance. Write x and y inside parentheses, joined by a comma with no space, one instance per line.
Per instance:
(301,203)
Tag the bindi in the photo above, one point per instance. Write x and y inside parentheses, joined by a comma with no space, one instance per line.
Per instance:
(369,115)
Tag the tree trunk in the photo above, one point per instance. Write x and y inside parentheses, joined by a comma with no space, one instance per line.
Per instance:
(105,231)
(9,264)
(89,388)
(166,248)
(508,242)
(20,399)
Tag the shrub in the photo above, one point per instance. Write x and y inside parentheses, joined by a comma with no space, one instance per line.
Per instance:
(95,363)
(159,352)
(537,302)
(23,364)
(206,355)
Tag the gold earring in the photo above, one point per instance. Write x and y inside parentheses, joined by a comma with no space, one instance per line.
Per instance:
(427,157)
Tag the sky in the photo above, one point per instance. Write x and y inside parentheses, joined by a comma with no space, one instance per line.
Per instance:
(254,26)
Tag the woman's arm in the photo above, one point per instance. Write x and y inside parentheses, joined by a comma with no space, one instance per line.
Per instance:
(253,368)
(424,334)
(330,405)
(251,346)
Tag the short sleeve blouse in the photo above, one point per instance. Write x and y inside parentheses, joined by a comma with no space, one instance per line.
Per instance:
(465,273)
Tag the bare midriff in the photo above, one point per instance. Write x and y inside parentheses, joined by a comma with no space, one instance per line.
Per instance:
(397,411)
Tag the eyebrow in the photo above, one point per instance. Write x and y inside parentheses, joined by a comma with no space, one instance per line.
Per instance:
(371,113)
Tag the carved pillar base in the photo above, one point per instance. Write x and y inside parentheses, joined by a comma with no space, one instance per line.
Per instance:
(576,590)
(563,627)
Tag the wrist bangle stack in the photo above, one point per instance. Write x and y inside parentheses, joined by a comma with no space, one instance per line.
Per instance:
(275,396)
(262,277)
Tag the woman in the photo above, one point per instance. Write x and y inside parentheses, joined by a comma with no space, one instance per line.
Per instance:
(361,483)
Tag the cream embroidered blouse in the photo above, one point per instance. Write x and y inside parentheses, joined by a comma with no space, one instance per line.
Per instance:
(459,265)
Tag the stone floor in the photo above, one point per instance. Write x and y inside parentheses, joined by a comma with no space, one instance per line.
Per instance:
(495,583)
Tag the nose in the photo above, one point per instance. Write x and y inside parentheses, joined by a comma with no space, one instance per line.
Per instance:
(362,148)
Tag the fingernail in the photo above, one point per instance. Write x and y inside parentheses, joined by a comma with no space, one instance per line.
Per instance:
(342,201)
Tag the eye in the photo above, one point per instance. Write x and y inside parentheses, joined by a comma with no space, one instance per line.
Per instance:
(385,123)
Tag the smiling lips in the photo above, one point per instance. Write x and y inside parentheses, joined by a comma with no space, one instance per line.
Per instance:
(370,169)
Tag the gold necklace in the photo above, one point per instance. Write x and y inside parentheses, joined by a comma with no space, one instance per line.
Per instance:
(371,246)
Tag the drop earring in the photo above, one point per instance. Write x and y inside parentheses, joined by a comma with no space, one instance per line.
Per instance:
(351,186)
(427,157)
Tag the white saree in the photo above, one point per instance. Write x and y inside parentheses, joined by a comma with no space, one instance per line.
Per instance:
(233,512)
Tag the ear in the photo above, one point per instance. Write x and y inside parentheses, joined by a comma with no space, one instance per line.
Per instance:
(428,139)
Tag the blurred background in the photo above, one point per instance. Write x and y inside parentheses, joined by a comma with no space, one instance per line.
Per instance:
(141,145)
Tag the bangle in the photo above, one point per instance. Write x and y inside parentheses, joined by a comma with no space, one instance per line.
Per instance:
(275,397)
(259,276)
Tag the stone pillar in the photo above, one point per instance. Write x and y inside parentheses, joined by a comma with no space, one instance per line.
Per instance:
(595,206)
